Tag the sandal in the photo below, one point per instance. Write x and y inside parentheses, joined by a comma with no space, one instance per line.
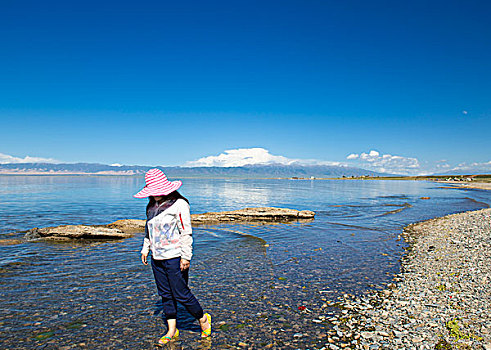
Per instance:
(207,332)
(165,339)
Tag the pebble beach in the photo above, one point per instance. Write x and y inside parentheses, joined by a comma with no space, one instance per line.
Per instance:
(440,300)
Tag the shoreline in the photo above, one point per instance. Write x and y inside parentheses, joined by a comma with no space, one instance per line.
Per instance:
(471,185)
(439,300)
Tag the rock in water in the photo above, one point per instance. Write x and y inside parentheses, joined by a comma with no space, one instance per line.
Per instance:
(127,227)
(265,214)
(77,231)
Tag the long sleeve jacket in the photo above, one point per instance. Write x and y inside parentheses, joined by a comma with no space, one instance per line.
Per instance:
(168,231)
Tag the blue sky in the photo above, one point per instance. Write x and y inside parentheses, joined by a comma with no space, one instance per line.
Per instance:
(168,83)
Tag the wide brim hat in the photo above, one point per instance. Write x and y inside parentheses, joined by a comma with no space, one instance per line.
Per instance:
(156,184)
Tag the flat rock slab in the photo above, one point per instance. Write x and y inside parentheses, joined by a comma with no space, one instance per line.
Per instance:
(77,232)
(127,227)
(264,215)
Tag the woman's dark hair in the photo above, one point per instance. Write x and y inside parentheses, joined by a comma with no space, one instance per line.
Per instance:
(173,195)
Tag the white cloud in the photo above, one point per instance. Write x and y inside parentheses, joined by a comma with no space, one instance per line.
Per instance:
(386,163)
(240,157)
(476,166)
(251,156)
(6,159)
(117,164)
(443,166)
(395,164)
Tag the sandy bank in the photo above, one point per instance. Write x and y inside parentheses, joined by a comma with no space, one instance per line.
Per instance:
(476,185)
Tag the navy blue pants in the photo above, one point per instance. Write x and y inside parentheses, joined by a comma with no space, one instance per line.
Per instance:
(172,286)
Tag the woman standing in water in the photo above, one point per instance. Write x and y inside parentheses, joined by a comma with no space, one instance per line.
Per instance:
(168,235)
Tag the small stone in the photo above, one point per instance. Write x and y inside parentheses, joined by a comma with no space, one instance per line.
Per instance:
(367,335)
(397,333)
(417,339)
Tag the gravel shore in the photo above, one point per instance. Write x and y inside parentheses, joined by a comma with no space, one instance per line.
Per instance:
(440,300)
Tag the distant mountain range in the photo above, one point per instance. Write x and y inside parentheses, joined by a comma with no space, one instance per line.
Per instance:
(249,171)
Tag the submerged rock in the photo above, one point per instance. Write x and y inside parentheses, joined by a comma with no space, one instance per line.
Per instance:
(127,227)
(4,242)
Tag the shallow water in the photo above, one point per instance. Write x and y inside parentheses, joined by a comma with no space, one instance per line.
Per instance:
(253,278)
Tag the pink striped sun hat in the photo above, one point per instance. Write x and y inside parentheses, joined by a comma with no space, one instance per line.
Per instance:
(157,185)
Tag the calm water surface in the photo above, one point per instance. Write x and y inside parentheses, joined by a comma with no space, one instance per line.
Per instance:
(253,278)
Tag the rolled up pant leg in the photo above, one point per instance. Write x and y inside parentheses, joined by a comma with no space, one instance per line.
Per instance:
(180,289)
(164,289)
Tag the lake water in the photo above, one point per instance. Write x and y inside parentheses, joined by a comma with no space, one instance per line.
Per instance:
(252,278)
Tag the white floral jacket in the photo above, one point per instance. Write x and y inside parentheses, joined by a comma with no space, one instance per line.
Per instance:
(168,231)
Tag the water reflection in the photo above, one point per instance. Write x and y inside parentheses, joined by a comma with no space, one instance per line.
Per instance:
(229,194)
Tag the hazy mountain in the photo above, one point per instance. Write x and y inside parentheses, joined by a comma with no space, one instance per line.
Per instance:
(253,171)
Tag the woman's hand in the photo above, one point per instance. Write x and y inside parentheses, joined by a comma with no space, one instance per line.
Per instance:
(184,264)
(144,259)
